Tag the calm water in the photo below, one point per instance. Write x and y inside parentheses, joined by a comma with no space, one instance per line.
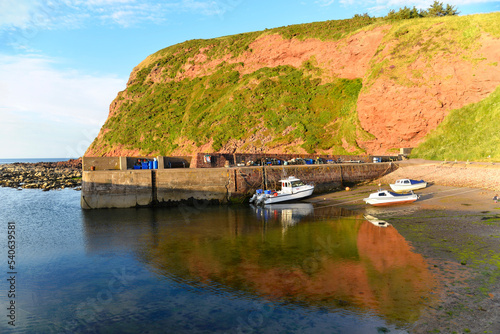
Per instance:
(294,269)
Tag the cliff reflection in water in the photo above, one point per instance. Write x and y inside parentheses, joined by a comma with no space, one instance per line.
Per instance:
(326,258)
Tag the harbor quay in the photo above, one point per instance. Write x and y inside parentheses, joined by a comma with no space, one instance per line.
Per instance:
(119,183)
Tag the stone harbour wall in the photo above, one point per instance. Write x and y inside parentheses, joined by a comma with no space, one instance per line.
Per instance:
(136,188)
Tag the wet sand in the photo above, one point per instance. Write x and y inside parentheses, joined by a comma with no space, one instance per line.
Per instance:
(457,230)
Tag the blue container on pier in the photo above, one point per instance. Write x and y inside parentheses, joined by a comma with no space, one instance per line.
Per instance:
(150,164)
(155,164)
(145,165)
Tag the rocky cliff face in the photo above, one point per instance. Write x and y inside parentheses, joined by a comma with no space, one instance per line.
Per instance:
(374,87)
(400,114)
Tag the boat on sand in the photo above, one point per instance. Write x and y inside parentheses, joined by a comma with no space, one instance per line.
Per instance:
(405,185)
(386,198)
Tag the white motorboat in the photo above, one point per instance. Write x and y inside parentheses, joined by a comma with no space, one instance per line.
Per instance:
(291,189)
(375,221)
(405,185)
(385,198)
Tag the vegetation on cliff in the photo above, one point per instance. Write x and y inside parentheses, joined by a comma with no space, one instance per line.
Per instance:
(204,95)
(227,105)
(281,105)
(469,133)
(437,9)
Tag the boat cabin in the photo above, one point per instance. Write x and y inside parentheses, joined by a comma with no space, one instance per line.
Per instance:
(288,185)
(408,182)
(386,193)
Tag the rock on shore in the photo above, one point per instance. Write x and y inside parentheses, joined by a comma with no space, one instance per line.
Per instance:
(42,175)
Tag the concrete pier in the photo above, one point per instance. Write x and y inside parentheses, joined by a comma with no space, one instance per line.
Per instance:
(136,188)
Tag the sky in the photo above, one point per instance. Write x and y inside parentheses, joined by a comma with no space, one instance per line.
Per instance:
(62,62)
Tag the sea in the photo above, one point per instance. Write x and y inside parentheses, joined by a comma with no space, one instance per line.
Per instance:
(289,268)
(33,160)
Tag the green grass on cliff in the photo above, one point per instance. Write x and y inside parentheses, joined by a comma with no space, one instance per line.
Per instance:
(428,38)
(176,55)
(283,102)
(470,133)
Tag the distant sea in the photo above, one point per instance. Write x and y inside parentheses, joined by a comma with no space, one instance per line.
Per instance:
(11,161)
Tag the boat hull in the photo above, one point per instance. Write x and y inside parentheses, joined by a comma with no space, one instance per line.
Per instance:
(375,202)
(402,188)
(288,197)
(386,198)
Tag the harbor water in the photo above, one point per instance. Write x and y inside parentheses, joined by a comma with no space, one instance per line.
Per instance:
(295,268)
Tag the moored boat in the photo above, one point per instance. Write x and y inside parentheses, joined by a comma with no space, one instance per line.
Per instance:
(292,188)
(405,185)
(385,198)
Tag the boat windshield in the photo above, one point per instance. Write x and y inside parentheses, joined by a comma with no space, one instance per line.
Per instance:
(297,183)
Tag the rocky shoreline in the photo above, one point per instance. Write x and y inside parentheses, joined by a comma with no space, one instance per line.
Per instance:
(42,175)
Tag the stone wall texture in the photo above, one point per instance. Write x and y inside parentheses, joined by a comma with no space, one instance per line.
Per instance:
(135,188)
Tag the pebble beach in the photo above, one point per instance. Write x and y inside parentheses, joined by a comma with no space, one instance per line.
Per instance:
(42,175)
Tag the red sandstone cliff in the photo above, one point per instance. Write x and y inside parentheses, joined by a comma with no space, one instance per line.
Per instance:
(406,92)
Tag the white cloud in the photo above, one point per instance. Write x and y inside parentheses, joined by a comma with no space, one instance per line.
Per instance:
(16,13)
(210,7)
(324,3)
(40,15)
(34,84)
(105,2)
(49,107)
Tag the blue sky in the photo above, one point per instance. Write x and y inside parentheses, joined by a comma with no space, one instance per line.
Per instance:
(62,62)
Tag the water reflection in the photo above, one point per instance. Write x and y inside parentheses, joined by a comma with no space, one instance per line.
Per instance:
(376,221)
(327,258)
(287,214)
